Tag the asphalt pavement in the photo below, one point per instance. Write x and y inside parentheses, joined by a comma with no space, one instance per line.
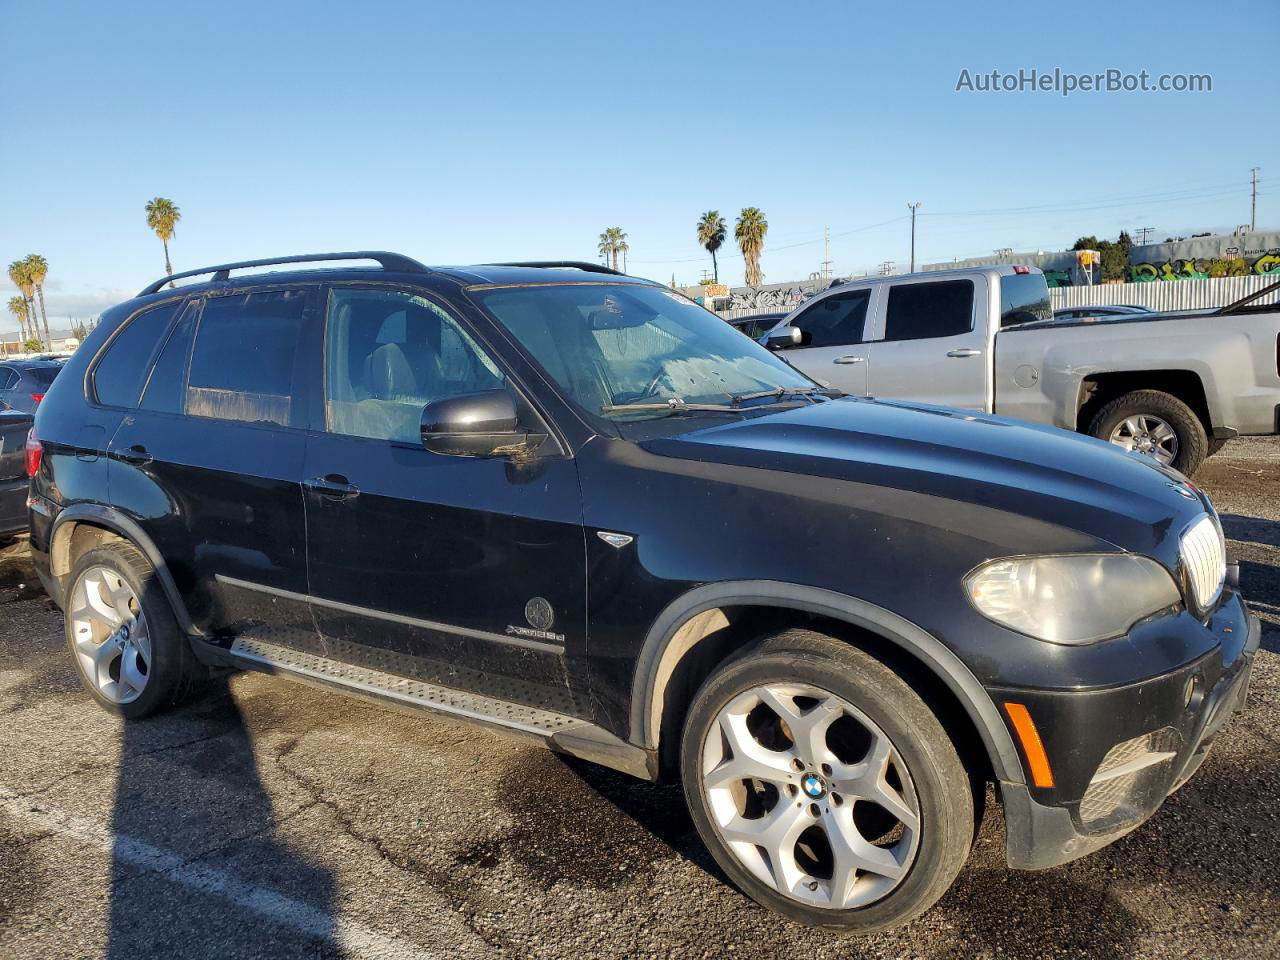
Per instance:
(275,820)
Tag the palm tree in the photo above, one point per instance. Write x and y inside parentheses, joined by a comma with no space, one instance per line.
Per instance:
(162,217)
(749,231)
(613,242)
(711,232)
(37,270)
(18,307)
(20,274)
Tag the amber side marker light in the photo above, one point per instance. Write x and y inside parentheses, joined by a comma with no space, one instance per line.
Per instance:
(1032,747)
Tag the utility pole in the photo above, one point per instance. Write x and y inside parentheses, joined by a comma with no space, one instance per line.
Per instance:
(1146,232)
(1253,202)
(886,268)
(912,207)
(826,253)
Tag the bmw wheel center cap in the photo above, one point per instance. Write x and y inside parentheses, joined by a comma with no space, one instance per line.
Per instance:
(813,786)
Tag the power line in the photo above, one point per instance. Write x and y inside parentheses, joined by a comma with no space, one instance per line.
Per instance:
(1187,194)
(1217,188)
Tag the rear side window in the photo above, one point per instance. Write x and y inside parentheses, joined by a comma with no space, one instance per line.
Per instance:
(8,378)
(119,375)
(920,311)
(1024,298)
(835,320)
(242,365)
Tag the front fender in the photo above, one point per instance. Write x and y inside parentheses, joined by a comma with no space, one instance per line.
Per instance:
(666,644)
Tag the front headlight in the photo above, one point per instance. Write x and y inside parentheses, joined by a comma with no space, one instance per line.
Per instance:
(1072,599)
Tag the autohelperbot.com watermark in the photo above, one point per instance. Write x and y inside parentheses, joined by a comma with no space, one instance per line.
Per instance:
(1065,82)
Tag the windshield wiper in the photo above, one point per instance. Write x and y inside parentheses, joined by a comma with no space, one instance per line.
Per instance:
(672,405)
(778,393)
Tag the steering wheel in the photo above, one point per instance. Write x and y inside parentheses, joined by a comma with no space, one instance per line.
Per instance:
(648,393)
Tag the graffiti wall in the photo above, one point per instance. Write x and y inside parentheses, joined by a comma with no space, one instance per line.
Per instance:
(1231,264)
(778,296)
(1199,258)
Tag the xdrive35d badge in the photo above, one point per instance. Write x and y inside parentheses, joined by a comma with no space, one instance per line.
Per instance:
(834,621)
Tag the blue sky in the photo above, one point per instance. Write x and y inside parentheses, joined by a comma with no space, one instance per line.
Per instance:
(468,132)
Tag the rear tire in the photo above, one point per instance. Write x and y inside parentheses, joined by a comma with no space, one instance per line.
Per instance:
(859,765)
(1140,419)
(124,640)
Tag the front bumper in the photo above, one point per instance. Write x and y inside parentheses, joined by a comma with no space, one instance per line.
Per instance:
(1118,753)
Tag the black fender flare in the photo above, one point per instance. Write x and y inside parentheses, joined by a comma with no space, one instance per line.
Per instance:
(119,523)
(658,657)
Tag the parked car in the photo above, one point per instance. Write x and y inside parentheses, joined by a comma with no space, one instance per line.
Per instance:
(575,506)
(756,325)
(23,383)
(1109,310)
(1172,386)
(13,473)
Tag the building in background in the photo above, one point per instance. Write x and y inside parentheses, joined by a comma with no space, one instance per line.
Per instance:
(1200,258)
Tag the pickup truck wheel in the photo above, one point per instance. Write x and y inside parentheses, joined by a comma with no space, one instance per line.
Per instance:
(126,644)
(824,786)
(1157,424)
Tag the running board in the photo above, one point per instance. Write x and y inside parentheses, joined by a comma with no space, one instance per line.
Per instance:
(563,733)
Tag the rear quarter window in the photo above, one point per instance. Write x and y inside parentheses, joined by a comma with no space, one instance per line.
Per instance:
(121,371)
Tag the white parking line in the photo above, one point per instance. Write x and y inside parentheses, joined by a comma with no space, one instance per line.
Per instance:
(352,937)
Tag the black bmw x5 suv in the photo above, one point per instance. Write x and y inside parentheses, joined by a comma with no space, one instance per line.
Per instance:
(575,506)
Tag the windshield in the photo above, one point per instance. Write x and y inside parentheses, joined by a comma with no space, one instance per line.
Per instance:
(624,351)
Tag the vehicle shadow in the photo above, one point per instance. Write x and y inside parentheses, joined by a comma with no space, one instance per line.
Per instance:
(1255,545)
(1256,530)
(195,856)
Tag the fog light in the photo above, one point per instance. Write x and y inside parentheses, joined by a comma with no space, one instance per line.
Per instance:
(1193,692)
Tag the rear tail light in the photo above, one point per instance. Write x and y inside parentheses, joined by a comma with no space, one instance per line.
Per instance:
(37,397)
(35,453)
(1020,269)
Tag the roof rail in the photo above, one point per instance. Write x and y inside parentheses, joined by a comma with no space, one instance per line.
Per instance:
(390,262)
(569,264)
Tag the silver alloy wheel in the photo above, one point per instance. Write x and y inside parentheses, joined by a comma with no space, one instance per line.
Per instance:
(109,633)
(1149,434)
(810,796)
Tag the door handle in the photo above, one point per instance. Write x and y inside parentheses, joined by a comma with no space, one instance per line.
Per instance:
(849,360)
(333,486)
(966,352)
(136,455)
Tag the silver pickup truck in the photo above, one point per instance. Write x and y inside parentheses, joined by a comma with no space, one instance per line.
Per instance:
(1174,386)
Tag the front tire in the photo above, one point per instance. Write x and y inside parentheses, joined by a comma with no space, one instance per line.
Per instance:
(1157,424)
(125,642)
(824,786)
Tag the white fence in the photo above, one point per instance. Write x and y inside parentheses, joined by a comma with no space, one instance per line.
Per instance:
(1164,294)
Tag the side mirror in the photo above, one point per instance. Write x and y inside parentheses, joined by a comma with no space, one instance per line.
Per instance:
(784,337)
(479,424)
